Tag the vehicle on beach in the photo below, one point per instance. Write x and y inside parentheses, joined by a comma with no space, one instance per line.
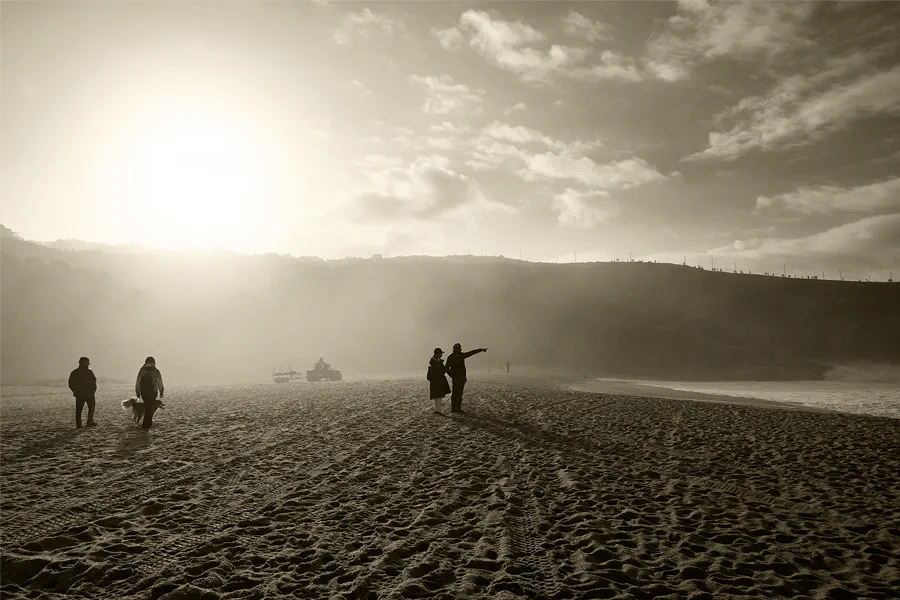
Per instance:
(284,376)
(322,370)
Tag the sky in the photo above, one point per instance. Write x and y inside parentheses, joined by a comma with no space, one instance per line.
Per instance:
(759,136)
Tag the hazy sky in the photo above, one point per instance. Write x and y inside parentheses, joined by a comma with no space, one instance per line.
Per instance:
(760,132)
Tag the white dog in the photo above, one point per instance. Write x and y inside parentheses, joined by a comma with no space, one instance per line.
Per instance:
(137,408)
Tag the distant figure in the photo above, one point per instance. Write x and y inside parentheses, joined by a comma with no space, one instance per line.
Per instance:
(456,367)
(83,384)
(437,377)
(507,367)
(149,383)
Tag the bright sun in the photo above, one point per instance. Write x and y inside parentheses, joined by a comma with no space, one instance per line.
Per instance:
(195,178)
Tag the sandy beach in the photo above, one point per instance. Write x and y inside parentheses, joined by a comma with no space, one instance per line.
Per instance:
(356,490)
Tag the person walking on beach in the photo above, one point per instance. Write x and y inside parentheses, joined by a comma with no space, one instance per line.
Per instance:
(149,383)
(507,367)
(83,384)
(456,367)
(437,378)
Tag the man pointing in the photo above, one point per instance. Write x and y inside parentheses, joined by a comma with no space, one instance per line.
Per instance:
(456,368)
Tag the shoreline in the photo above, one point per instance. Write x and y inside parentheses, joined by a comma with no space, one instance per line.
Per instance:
(631,388)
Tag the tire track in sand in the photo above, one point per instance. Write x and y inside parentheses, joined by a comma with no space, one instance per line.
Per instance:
(59,516)
(239,512)
(56,517)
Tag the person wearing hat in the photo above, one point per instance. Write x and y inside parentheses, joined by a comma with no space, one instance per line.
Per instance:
(456,367)
(83,384)
(437,377)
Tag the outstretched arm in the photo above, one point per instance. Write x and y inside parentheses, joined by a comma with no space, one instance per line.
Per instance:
(473,352)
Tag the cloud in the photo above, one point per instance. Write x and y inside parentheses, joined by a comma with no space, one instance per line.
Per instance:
(444,136)
(321,128)
(424,189)
(881,196)
(610,66)
(792,113)
(501,144)
(364,23)
(519,134)
(703,31)
(362,87)
(378,162)
(587,29)
(496,34)
(521,49)
(622,174)
(888,158)
(504,44)
(517,107)
(442,143)
(450,128)
(491,154)
(450,38)
(583,209)
(870,245)
(444,96)
(668,72)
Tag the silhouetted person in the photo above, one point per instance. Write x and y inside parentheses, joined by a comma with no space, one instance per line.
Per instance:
(83,384)
(456,367)
(149,383)
(507,367)
(437,378)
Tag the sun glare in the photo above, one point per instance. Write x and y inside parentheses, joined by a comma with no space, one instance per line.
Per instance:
(195,179)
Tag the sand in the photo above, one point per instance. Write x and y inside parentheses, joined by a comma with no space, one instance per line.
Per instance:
(355,490)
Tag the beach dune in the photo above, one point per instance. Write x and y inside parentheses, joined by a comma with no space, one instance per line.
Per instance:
(355,490)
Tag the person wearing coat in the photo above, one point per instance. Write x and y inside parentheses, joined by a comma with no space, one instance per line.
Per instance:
(149,383)
(437,377)
(83,384)
(456,368)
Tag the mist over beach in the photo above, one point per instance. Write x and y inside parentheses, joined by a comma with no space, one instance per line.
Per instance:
(225,318)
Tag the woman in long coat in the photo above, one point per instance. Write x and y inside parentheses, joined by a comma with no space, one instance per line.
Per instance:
(437,377)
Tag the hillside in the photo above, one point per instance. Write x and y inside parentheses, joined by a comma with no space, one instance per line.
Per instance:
(227,318)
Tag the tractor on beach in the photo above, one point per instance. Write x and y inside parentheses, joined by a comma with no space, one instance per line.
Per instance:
(322,370)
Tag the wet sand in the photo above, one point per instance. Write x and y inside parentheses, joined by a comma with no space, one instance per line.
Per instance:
(632,388)
(356,490)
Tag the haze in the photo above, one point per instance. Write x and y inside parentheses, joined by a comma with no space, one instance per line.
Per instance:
(760,134)
(228,318)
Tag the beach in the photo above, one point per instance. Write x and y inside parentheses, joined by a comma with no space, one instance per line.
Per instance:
(354,489)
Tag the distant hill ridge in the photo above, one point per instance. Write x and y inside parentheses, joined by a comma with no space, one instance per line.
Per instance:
(219,317)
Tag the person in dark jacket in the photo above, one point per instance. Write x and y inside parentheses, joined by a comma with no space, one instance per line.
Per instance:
(83,384)
(437,377)
(149,383)
(456,367)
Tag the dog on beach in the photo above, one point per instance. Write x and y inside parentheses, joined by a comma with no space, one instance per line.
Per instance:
(138,407)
